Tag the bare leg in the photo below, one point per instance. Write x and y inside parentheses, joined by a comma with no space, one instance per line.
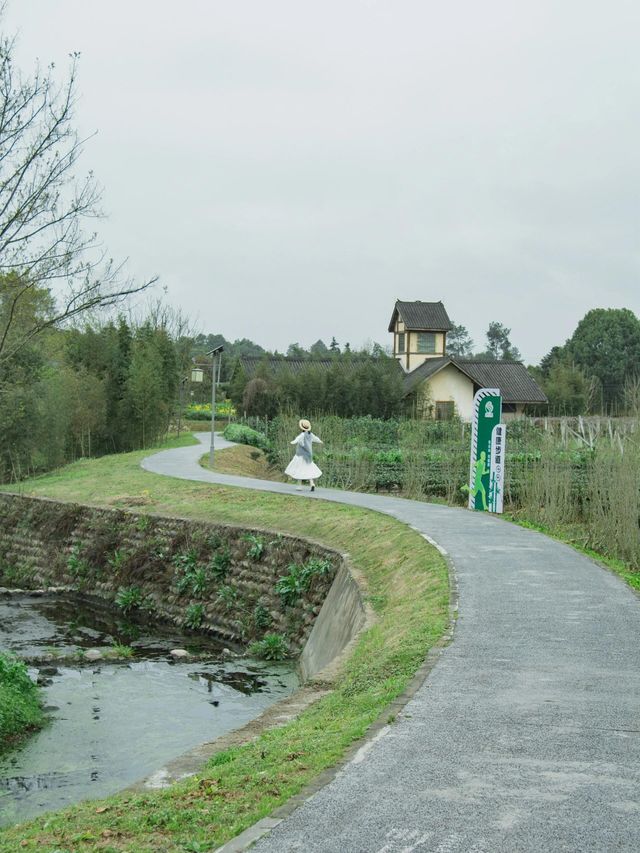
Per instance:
(299,486)
(313,485)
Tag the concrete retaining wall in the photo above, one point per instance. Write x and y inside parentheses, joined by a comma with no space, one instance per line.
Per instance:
(99,551)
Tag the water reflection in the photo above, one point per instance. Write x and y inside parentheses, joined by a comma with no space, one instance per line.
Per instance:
(111,724)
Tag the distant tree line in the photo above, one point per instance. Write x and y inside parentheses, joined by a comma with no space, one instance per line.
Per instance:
(596,371)
(75,392)
(365,383)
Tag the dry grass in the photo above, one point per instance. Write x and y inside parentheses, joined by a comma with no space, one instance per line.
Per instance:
(244,461)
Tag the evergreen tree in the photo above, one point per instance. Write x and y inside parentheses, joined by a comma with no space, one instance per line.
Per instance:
(606,344)
(459,343)
(499,345)
(319,349)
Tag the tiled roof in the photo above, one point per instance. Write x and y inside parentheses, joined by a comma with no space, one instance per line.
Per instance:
(421,316)
(511,377)
(277,364)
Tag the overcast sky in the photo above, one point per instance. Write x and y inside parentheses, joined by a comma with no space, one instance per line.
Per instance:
(289,169)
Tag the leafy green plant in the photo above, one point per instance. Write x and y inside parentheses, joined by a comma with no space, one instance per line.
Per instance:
(192,578)
(117,559)
(78,567)
(199,581)
(129,598)
(13,672)
(185,560)
(317,566)
(121,651)
(261,617)
(15,575)
(270,647)
(256,546)
(214,541)
(20,708)
(193,617)
(291,586)
(220,563)
(227,597)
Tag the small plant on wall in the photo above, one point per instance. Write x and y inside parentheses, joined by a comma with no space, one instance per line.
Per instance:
(227,597)
(271,647)
(129,598)
(220,563)
(117,559)
(261,617)
(291,586)
(256,546)
(193,616)
(298,579)
(77,566)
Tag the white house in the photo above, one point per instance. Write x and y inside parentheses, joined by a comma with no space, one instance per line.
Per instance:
(442,385)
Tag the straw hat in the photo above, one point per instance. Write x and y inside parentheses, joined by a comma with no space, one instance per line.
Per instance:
(305,425)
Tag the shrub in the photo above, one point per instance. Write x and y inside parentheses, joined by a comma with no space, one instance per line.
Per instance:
(271,647)
(19,699)
(242,434)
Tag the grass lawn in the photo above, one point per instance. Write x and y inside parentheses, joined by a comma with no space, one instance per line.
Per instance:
(408,589)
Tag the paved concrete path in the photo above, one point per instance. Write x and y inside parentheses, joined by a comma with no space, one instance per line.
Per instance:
(526,734)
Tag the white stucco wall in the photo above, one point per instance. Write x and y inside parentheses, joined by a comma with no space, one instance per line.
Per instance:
(450,384)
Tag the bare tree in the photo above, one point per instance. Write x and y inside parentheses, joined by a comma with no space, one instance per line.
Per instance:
(44,208)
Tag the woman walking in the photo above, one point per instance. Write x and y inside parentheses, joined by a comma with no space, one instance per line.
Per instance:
(302,467)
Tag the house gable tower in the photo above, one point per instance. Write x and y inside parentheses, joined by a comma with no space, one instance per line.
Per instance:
(419,332)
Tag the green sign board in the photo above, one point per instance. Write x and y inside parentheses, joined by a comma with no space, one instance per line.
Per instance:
(487,413)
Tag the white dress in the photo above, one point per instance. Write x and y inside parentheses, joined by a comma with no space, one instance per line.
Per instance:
(299,468)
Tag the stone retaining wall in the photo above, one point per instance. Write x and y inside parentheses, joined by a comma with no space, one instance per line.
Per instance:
(178,568)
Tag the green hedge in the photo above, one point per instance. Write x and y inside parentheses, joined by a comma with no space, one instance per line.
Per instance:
(242,434)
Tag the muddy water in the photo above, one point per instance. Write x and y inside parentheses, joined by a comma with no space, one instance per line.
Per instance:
(111,724)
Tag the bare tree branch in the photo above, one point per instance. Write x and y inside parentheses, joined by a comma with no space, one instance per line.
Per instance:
(44,208)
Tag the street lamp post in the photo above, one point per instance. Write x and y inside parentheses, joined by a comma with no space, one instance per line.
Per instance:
(217,352)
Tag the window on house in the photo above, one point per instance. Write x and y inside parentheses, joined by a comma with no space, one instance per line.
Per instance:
(445,410)
(401,342)
(426,342)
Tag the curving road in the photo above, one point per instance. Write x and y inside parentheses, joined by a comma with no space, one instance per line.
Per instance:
(526,734)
